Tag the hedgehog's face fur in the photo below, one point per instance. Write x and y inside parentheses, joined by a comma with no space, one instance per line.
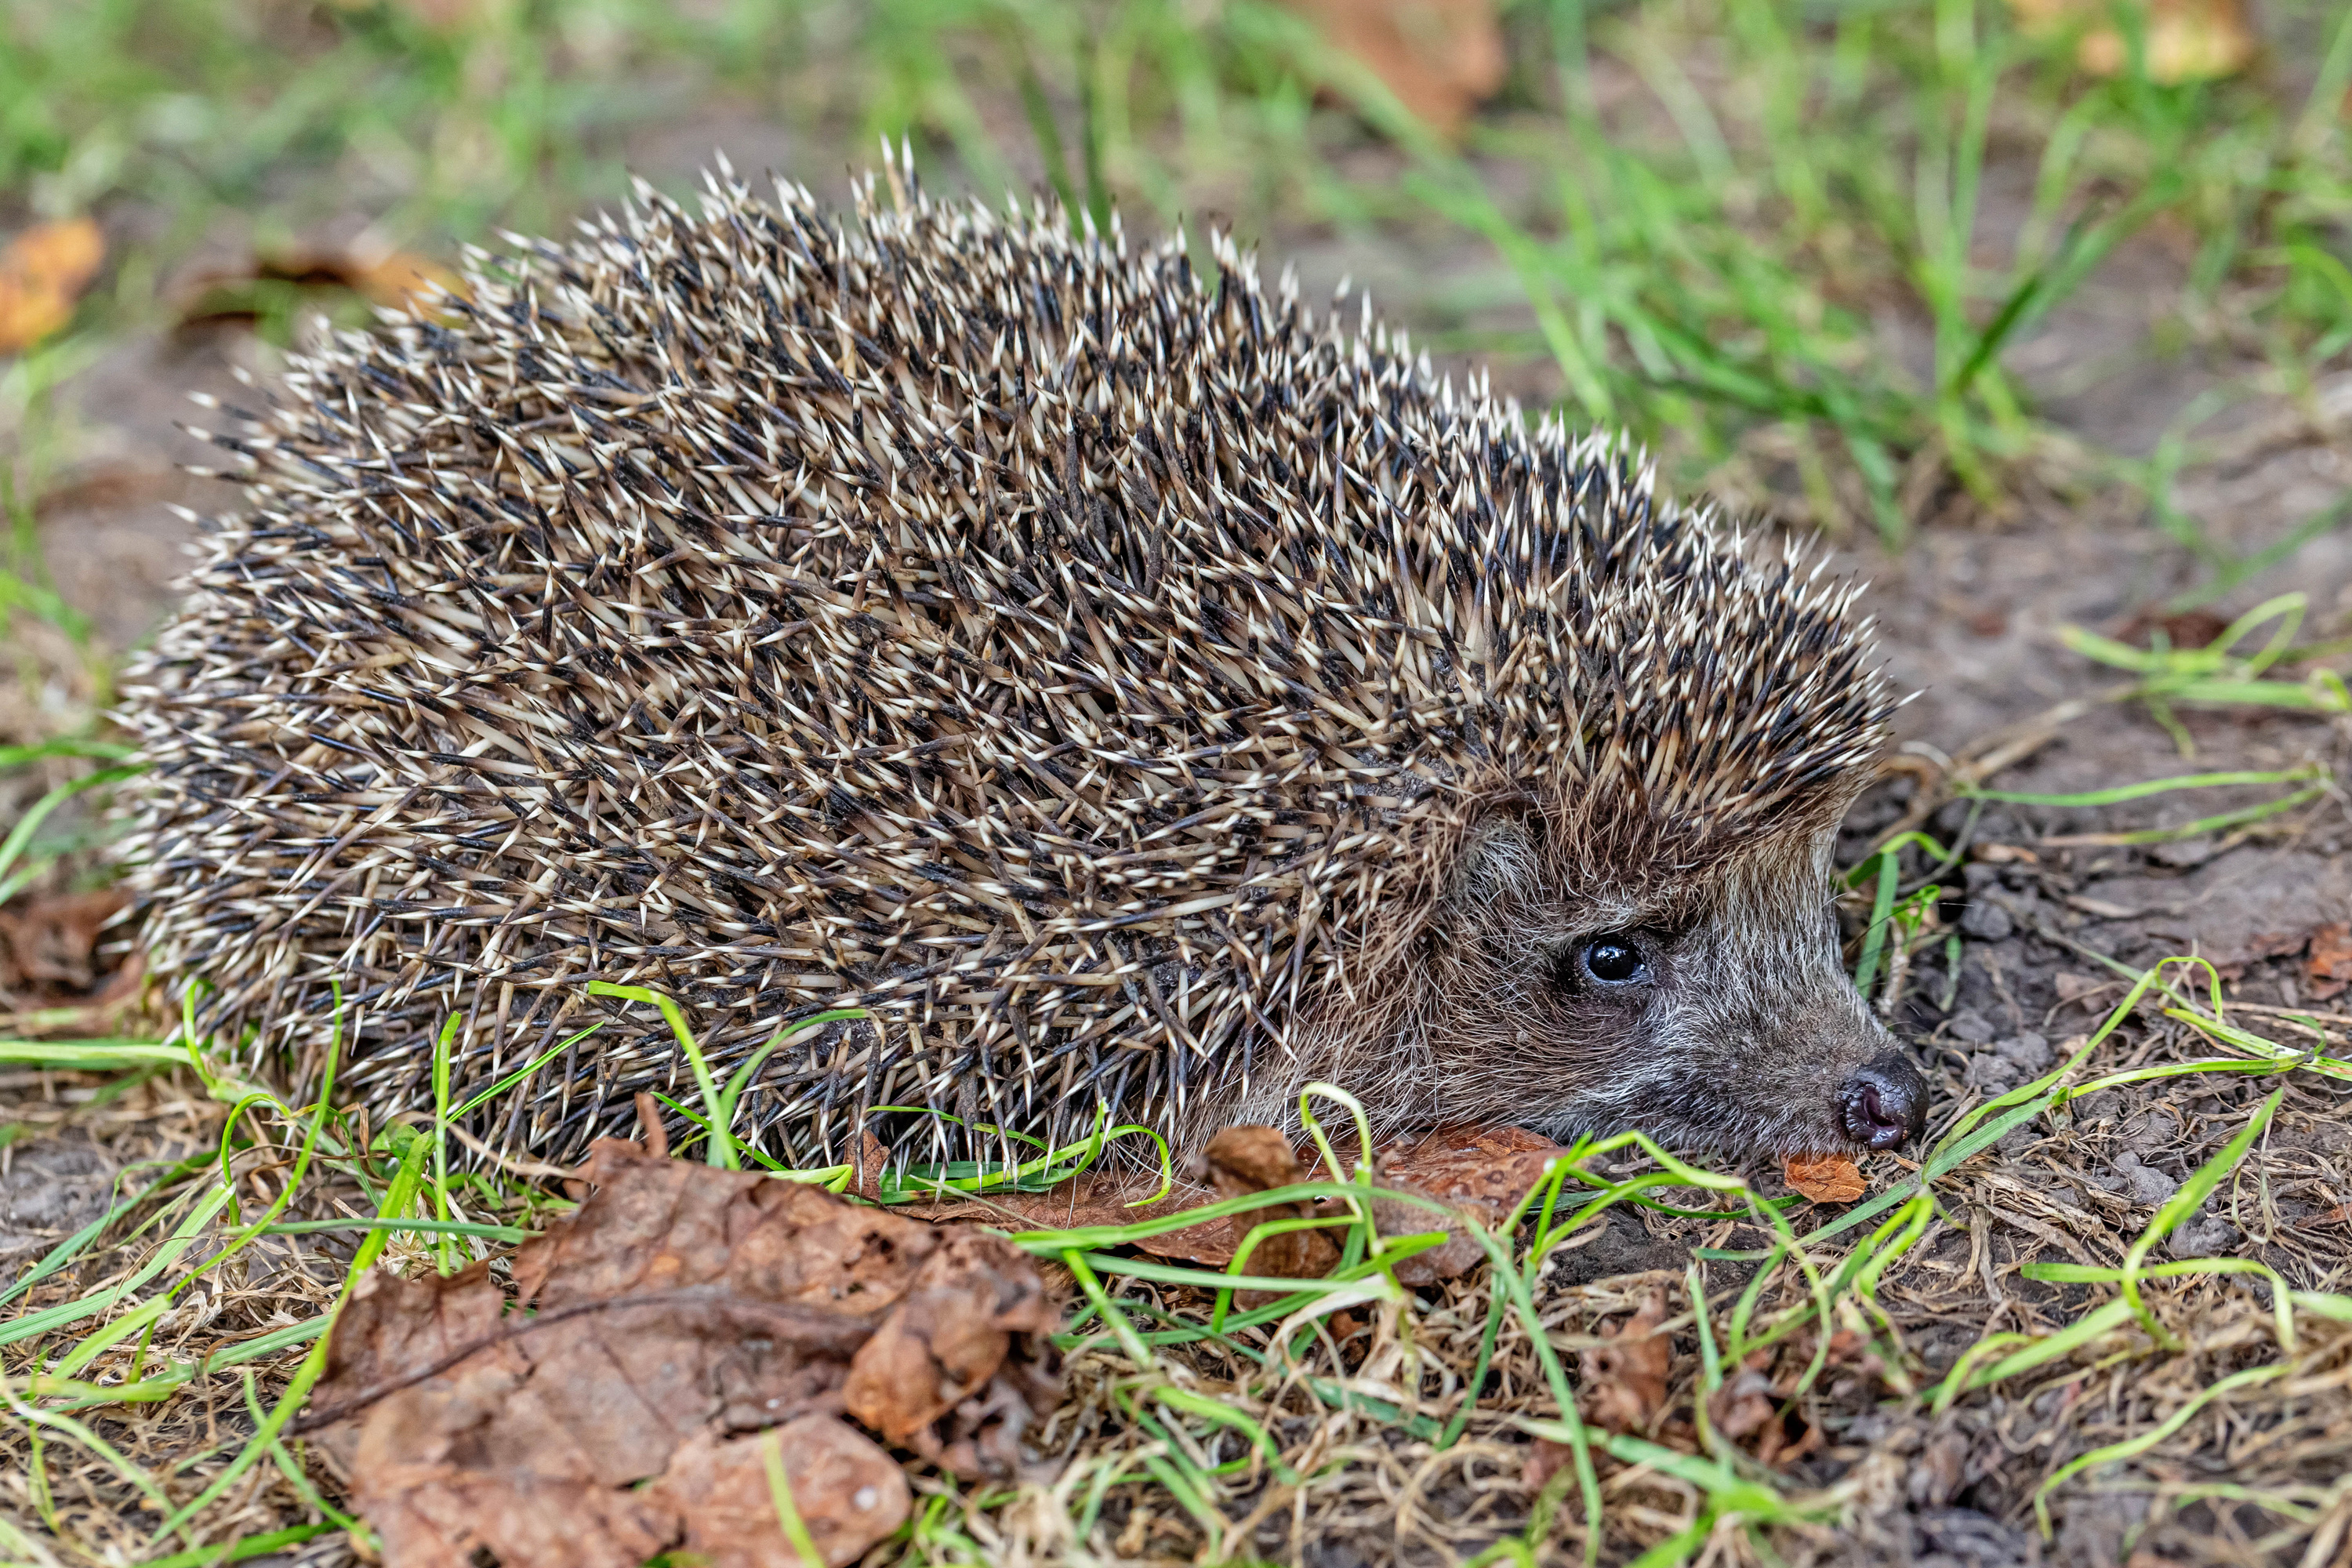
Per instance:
(1709,1008)
(1702,1001)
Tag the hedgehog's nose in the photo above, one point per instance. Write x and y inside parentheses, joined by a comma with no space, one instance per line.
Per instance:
(1885,1104)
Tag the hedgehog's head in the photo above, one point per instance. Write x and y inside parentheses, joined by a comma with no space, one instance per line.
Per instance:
(1578,973)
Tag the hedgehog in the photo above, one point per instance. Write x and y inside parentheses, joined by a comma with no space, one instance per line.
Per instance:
(1124,694)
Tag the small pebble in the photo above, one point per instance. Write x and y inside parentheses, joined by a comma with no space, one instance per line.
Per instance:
(2203,1235)
(2146,1185)
(1994,1073)
(2031,1052)
(1986,922)
(2152,1129)
(2183,853)
(1969,1027)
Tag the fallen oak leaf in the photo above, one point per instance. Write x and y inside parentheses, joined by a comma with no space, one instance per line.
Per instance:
(1824,1178)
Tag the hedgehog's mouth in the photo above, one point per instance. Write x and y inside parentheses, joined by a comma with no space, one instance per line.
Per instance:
(1881,1105)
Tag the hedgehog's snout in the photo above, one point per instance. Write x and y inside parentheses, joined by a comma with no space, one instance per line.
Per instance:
(1885,1104)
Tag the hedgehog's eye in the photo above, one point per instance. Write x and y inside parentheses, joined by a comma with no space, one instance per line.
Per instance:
(1612,961)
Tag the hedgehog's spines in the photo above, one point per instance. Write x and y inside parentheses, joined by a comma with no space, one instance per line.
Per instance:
(975,732)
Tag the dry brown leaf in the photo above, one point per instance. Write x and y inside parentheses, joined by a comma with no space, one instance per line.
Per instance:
(1482,1171)
(1246,1160)
(42,272)
(2329,968)
(1093,1199)
(49,959)
(2186,41)
(1241,1160)
(51,942)
(944,1350)
(394,280)
(402,281)
(1624,1384)
(1825,1178)
(842,1486)
(1492,1167)
(1441,57)
(1544,1460)
(678,1314)
(1742,1407)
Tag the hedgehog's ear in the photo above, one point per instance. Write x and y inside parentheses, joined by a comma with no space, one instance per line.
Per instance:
(1501,856)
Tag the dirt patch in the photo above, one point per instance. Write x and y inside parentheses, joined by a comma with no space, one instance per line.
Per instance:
(50,1188)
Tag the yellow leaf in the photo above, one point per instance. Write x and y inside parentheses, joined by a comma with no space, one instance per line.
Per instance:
(42,272)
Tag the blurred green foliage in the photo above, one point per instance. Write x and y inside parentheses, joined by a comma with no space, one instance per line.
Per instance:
(1758,228)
